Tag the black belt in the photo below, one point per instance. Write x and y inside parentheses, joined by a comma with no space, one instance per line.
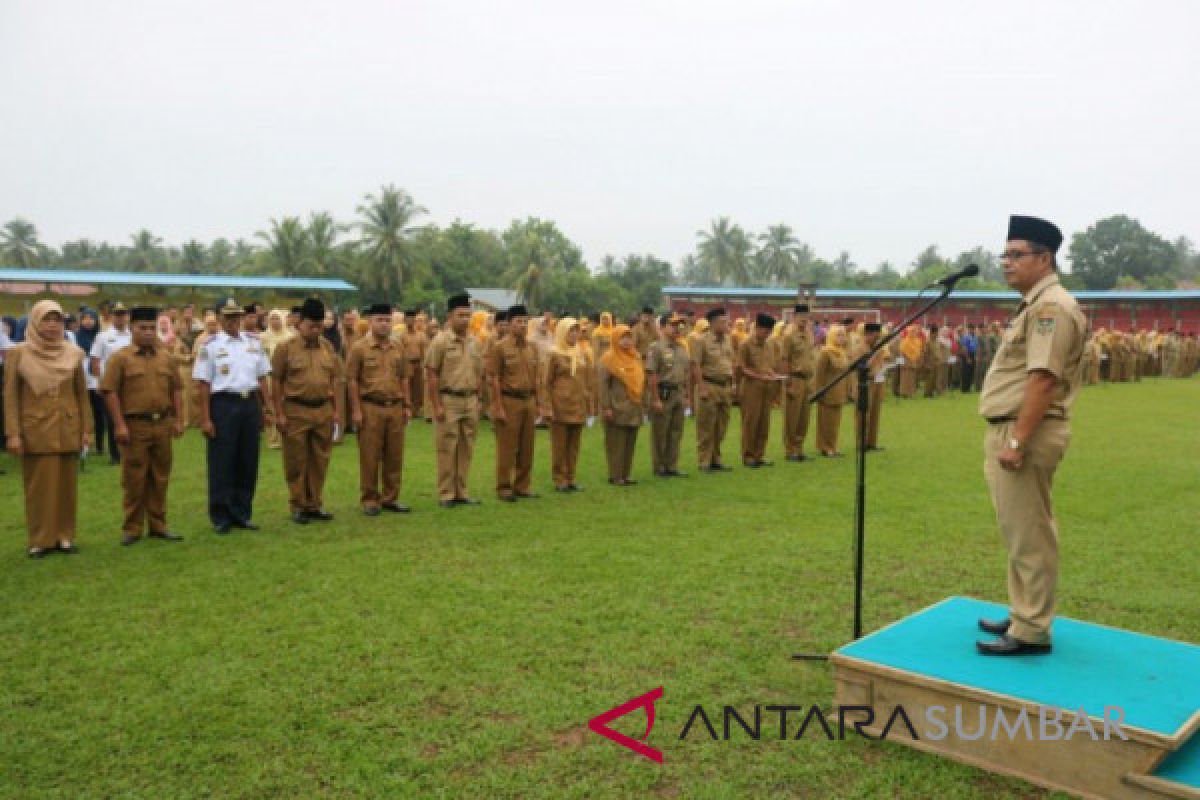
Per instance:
(380,402)
(232,395)
(300,401)
(150,416)
(800,375)
(519,394)
(1003,420)
(717,381)
(458,392)
(668,386)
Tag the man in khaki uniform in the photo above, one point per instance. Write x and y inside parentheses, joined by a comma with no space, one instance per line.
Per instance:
(799,363)
(307,377)
(513,371)
(454,374)
(757,363)
(1026,400)
(877,369)
(644,334)
(377,381)
(142,388)
(712,377)
(668,372)
(416,342)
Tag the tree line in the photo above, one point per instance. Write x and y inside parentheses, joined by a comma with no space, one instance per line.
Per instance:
(390,251)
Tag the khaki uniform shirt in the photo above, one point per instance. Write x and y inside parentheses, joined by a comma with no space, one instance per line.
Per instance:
(145,381)
(714,357)
(51,422)
(304,372)
(668,360)
(1048,334)
(514,365)
(380,369)
(415,345)
(644,335)
(458,362)
(568,394)
(799,357)
(756,358)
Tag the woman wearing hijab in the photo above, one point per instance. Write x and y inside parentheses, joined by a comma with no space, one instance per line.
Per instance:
(912,348)
(567,387)
(89,328)
(50,421)
(622,382)
(275,334)
(833,359)
(602,337)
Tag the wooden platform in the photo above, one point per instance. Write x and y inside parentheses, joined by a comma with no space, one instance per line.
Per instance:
(1149,685)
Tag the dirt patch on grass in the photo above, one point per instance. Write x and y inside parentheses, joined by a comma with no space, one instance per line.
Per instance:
(572,737)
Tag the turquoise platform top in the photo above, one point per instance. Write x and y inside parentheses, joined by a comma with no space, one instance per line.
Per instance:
(1155,681)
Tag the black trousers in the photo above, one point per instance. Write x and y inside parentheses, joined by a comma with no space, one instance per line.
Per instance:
(233,458)
(105,431)
(968,376)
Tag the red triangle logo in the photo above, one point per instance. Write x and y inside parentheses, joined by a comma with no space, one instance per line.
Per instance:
(599,724)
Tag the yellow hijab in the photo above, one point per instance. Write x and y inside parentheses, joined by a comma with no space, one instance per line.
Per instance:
(605,329)
(911,345)
(831,345)
(626,364)
(573,352)
(477,326)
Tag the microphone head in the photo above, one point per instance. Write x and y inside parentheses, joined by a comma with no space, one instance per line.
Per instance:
(971,271)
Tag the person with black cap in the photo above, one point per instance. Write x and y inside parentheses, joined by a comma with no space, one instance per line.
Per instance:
(377,380)
(798,362)
(514,374)
(877,369)
(712,375)
(145,402)
(1026,399)
(104,347)
(758,376)
(454,374)
(231,372)
(307,377)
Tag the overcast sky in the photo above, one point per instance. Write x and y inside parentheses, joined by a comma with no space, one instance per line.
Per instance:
(874,127)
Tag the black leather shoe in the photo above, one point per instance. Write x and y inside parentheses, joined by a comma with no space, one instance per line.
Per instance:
(299,517)
(574,487)
(129,539)
(319,515)
(371,511)
(447,503)
(674,473)
(721,468)
(506,498)
(223,528)
(751,464)
(396,508)
(765,464)
(245,525)
(875,449)
(527,495)
(38,552)
(798,458)
(996,627)
(166,536)
(563,489)
(1008,646)
(468,501)
(629,482)
(68,548)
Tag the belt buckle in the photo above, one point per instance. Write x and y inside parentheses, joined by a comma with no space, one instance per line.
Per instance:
(155,417)
(244,395)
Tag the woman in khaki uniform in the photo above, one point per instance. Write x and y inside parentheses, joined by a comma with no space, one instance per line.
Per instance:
(275,334)
(567,387)
(49,419)
(833,359)
(622,384)
(912,349)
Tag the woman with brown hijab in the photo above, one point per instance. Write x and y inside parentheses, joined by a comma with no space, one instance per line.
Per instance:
(567,387)
(833,359)
(49,422)
(622,383)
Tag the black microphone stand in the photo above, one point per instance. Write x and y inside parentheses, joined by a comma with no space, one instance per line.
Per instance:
(861,366)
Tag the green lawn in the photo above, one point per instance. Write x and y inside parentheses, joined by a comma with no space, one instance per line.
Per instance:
(460,653)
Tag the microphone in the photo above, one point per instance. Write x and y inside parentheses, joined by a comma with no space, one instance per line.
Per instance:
(969,271)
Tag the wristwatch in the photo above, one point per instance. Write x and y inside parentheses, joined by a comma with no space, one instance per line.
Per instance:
(1014,443)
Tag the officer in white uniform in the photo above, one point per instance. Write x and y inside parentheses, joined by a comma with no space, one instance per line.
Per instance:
(107,343)
(231,370)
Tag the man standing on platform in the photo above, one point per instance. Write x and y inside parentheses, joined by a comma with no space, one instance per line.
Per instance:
(758,376)
(231,371)
(377,381)
(799,362)
(712,375)
(1026,399)
(142,388)
(513,371)
(668,369)
(307,375)
(454,374)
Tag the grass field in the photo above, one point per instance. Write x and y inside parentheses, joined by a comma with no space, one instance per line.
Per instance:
(460,653)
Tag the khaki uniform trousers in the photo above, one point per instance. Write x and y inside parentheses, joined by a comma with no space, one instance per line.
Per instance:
(307,446)
(1025,512)
(145,473)
(564,451)
(50,497)
(829,422)
(514,445)
(756,418)
(666,427)
(796,414)
(273,438)
(712,419)
(416,387)
(455,445)
(619,443)
(874,407)
(380,453)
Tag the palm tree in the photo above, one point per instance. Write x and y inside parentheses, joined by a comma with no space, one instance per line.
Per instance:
(145,254)
(19,245)
(81,254)
(288,253)
(220,255)
(322,239)
(193,257)
(778,256)
(529,286)
(724,251)
(386,229)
